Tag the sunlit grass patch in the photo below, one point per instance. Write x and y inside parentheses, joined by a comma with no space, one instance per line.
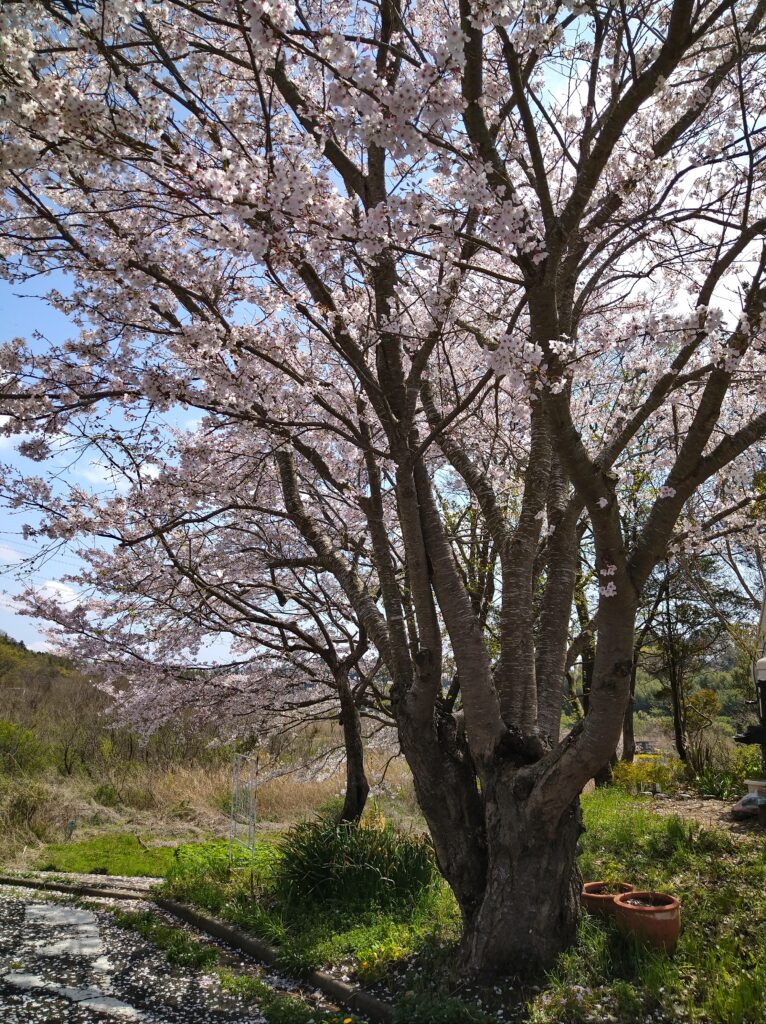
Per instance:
(118,854)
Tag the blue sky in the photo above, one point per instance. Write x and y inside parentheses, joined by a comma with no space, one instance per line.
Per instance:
(23,314)
(20,317)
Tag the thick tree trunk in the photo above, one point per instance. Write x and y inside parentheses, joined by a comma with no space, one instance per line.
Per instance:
(357,786)
(531,902)
(449,797)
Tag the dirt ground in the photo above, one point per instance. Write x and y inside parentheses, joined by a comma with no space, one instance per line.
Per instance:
(708,812)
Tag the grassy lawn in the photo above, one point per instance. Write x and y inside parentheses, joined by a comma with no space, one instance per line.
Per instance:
(717,974)
(108,855)
(718,971)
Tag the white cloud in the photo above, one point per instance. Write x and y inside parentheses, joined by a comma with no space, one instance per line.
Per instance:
(103,476)
(59,591)
(40,645)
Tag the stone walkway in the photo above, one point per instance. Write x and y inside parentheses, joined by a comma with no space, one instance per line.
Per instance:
(61,964)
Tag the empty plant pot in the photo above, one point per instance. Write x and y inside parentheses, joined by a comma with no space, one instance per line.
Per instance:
(598,897)
(653,917)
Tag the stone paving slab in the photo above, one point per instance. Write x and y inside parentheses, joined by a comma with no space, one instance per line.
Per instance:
(62,964)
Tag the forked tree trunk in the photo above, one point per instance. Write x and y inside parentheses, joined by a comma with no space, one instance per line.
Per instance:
(531,903)
(509,860)
(357,786)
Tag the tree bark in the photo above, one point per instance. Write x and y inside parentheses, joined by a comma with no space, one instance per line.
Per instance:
(448,794)
(628,734)
(603,777)
(357,786)
(521,925)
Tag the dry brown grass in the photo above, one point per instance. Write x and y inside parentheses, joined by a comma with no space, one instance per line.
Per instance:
(182,802)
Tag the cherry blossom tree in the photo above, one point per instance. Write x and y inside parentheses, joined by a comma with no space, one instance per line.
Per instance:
(194,565)
(513,250)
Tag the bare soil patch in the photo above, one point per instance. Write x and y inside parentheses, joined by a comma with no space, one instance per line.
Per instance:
(708,811)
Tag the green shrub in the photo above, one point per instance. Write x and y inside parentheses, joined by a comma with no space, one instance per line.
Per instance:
(106,794)
(649,771)
(324,861)
(21,753)
(725,772)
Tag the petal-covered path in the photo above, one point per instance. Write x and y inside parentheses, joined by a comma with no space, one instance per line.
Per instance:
(62,963)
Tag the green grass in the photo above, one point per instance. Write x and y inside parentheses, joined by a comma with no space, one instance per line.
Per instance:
(178,946)
(308,937)
(107,854)
(120,854)
(278,1008)
(718,971)
(184,951)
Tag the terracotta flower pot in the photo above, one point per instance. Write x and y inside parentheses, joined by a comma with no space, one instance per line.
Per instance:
(653,917)
(598,897)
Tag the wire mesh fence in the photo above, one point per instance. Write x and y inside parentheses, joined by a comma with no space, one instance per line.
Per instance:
(244,809)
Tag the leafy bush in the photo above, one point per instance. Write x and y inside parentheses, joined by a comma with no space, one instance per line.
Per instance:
(363,865)
(648,771)
(21,753)
(106,794)
(726,770)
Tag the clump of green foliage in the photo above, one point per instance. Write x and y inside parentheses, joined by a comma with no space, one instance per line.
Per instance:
(318,932)
(368,865)
(724,773)
(21,753)
(649,772)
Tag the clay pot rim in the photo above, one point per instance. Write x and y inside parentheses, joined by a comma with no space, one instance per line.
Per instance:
(591,889)
(671,902)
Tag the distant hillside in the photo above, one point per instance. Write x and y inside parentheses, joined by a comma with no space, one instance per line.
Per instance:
(20,667)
